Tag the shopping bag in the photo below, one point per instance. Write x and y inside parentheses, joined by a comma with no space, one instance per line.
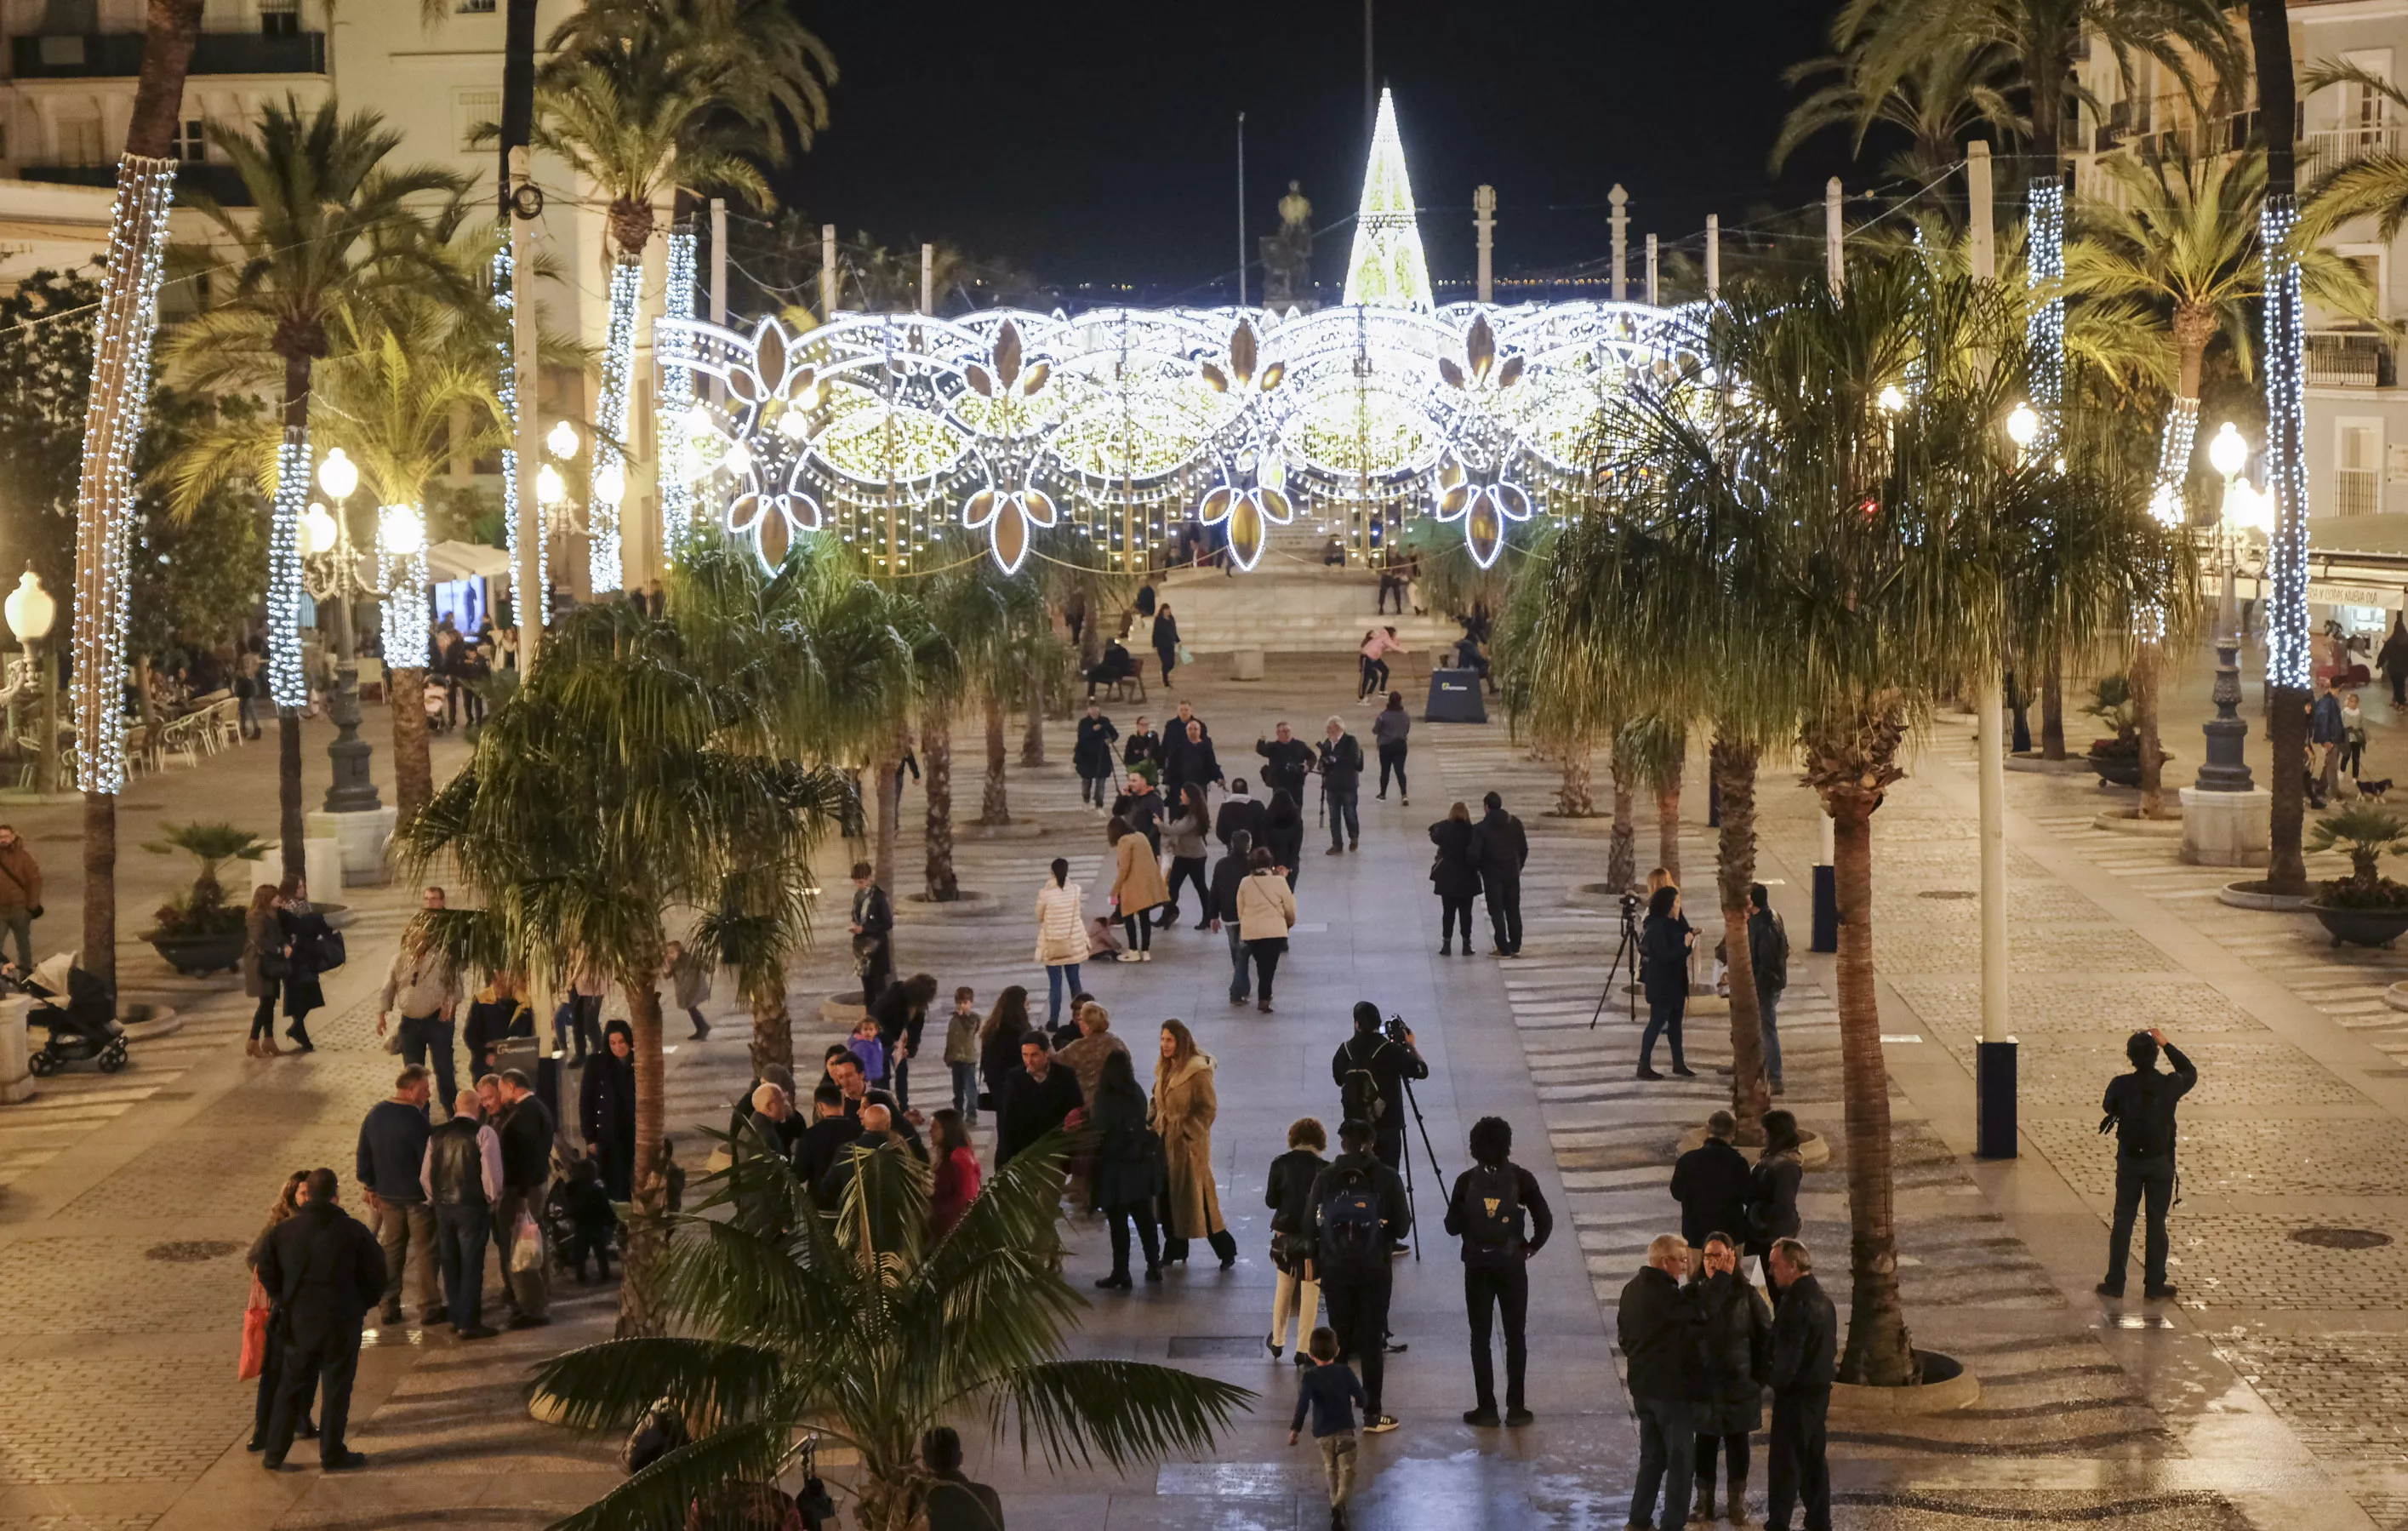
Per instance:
(254,1344)
(526,1243)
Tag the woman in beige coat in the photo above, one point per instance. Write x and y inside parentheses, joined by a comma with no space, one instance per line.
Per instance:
(1184,1103)
(1266,913)
(1138,887)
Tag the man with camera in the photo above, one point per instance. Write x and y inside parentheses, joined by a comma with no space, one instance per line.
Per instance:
(1370,1069)
(2140,1106)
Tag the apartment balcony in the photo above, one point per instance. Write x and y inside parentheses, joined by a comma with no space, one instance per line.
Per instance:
(218,181)
(2350,359)
(2330,149)
(105,54)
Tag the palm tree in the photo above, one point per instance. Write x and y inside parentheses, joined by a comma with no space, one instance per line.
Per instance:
(335,238)
(850,1327)
(617,785)
(643,97)
(1959,90)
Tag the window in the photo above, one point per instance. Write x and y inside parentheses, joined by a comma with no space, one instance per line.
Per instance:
(476,8)
(191,141)
(471,110)
(280,17)
(79,140)
(2357,460)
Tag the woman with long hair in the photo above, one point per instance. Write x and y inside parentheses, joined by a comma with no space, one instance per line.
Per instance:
(1165,641)
(263,1302)
(1772,1190)
(999,1039)
(1184,1105)
(607,1109)
(308,940)
(263,939)
(1186,833)
(954,1179)
(1061,934)
(1663,973)
(1129,1168)
(1389,731)
(1137,888)
(1455,876)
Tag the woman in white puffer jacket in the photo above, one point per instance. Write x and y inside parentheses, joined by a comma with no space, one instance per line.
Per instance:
(1061,934)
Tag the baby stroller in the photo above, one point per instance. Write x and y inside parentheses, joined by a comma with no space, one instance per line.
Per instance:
(439,705)
(85,1027)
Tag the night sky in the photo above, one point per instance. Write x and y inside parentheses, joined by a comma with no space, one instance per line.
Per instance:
(1096,142)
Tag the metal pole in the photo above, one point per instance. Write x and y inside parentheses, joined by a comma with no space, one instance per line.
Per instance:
(1834,266)
(1483,219)
(1714,255)
(1994,1060)
(827,272)
(1241,209)
(45,778)
(531,603)
(1651,271)
(718,281)
(927,279)
(1980,202)
(353,790)
(1620,219)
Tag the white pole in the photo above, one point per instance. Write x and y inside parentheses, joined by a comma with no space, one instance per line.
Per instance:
(1241,209)
(827,272)
(1621,221)
(1714,254)
(927,279)
(1483,219)
(718,281)
(531,602)
(1989,695)
(1651,271)
(1834,266)
(1979,198)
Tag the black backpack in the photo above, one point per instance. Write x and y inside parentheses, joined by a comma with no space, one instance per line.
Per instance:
(2144,1125)
(1359,1092)
(1351,1245)
(1491,1198)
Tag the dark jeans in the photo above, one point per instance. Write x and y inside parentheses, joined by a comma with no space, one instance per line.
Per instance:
(423,1035)
(1392,758)
(1170,658)
(271,1376)
(2400,688)
(1663,1020)
(701,1027)
(1092,789)
(327,1363)
(966,1089)
(1374,677)
(1266,960)
(463,1232)
(1344,824)
(1358,1315)
(1449,911)
(1141,1213)
(2136,1179)
(1504,911)
(1486,1289)
(579,1019)
(1668,1443)
(1795,1468)
(1138,927)
(1188,869)
(1240,980)
(1733,1448)
(262,1020)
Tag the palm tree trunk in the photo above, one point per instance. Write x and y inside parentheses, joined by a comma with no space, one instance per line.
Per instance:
(1621,848)
(1575,798)
(413,767)
(2051,707)
(773,1030)
(2144,722)
(1668,827)
(889,768)
(640,1313)
(1734,772)
(2287,731)
(994,806)
(937,768)
(1091,634)
(1032,742)
(297,373)
(100,886)
(288,791)
(2288,666)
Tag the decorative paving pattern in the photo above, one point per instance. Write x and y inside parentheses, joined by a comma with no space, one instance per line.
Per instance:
(2281,1157)
(183,1414)
(2346,1395)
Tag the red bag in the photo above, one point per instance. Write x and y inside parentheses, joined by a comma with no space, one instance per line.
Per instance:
(254,1333)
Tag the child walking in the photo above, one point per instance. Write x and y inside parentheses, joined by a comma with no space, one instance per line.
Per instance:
(1330,1393)
(962,1053)
(866,1046)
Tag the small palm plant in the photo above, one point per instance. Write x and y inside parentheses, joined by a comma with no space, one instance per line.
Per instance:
(855,1328)
(2365,833)
(212,843)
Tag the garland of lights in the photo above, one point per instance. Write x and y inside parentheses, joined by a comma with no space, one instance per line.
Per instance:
(2287,661)
(113,422)
(2046,330)
(611,429)
(286,683)
(676,491)
(506,303)
(403,579)
(2173,462)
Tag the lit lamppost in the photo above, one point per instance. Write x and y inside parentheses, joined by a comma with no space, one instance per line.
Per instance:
(2243,510)
(334,578)
(2022,428)
(30,610)
(2224,770)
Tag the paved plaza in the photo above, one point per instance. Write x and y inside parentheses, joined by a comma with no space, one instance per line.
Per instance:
(2270,1396)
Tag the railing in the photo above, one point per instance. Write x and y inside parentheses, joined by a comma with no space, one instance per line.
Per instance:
(2349,359)
(101,54)
(220,182)
(2330,149)
(2355,491)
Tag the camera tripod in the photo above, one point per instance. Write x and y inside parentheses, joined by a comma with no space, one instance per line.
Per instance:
(1625,953)
(1437,1175)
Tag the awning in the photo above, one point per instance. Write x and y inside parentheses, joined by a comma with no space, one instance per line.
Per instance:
(447,561)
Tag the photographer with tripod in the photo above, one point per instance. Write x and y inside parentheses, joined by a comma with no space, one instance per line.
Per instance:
(1370,1069)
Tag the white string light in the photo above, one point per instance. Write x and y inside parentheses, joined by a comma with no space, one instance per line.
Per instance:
(2173,462)
(1386,267)
(401,571)
(286,683)
(610,428)
(676,394)
(2046,330)
(506,303)
(2287,659)
(114,416)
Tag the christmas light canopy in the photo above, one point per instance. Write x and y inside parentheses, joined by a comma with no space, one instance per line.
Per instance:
(1386,268)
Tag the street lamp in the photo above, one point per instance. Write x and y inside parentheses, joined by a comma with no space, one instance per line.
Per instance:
(2229,452)
(2022,427)
(561,440)
(31,611)
(2223,768)
(337,582)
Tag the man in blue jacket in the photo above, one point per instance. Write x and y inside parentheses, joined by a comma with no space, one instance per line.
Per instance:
(391,1150)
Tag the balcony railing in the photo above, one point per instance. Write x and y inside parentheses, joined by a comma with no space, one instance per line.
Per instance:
(99,54)
(2330,149)
(220,182)
(2355,493)
(2349,359)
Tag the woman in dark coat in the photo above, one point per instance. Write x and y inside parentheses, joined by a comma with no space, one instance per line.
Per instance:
(1663,973)
(1165,641)
(1738,1353)
(607,1109)
(1128,1169)
(1455,876)
(1283,833)
(311,941)
(999,1039)
(1772,1187)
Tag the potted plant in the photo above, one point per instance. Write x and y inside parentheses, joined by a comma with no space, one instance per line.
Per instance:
(2117,760)
(202,932)
(2364,909)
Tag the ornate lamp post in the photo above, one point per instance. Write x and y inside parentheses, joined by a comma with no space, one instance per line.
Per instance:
(334,576)
(30,610)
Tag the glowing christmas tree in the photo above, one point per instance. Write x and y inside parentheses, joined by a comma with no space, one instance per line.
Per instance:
(1386,270)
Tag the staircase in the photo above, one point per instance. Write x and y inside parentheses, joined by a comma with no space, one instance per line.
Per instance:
(1290,609)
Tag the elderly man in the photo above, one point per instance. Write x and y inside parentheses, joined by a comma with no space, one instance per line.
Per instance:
(426,987)
(1805,1350)
(1286,761)
(1711,1182)
(774,1118)
(1341,779)
(461,1174)
(877,1131)
(1658,1324)
(846,1070)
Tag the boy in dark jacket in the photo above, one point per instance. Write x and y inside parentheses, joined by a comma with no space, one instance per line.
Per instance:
(1486,1211)
(1330,1393)
(585,1208)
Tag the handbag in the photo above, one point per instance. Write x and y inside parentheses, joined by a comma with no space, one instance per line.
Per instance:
(256,1316)
(275,965)
(331,951)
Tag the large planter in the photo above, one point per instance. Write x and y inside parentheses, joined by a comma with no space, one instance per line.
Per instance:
(216,952)
(2116,771)
(2361,927)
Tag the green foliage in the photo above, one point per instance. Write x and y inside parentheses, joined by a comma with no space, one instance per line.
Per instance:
(2366,833)
(211,843)
(2110,703)
(45,380)
(849,1323)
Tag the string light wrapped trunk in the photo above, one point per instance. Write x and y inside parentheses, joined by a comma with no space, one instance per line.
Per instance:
(677,489)
(609,481)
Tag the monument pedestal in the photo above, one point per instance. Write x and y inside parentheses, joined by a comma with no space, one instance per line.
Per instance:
(2228,828)
(359,840)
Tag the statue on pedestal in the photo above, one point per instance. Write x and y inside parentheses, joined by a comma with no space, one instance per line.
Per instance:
(1287,257)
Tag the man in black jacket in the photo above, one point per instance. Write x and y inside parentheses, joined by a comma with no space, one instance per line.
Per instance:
(463,1177)
(873,932)
(1179,751)
(1371,1071)
(1486,1211)
(1286,761)
(1227,874)
(817,1148)
(1241,813)
(526,1132)
(1341,781)
(1805,1360)
(1660,1326)
(1351,1257)
(1499,849)
(1037,1098)
(2140,1107)
(322,1272)
(1092,756)
(1710,1182)
(1768,958)
(901,1012)
(392,1147)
